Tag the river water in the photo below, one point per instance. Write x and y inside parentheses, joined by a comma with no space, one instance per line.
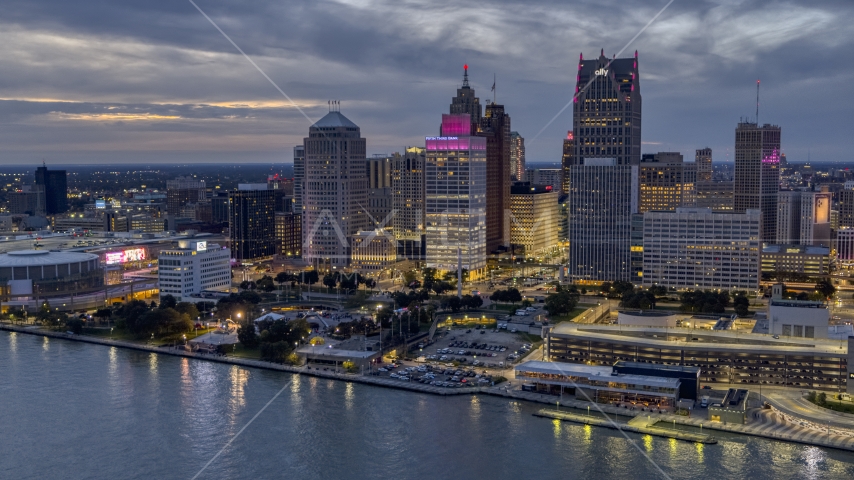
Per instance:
(72,410)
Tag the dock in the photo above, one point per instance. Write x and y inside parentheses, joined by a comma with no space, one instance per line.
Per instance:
(640,424)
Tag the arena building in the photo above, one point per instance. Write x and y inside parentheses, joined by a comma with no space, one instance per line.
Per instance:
(64,280)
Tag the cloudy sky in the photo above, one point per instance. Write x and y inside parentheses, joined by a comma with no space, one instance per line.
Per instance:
(111,81)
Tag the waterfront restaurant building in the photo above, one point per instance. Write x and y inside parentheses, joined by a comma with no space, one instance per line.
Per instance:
(600,384)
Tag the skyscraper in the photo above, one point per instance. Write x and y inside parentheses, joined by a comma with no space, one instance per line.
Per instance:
(845,205)
(334,190)
(602,198)
(517,157)
(252,221)
(55,188)
(182,191)
(299,177)
(703,161)
(757,173)
(666,182)
(788,217)
(466,102)
(378,170)
(455,197)
(600,168)
(495,127)
(815,218)
(606,116)
(408,187)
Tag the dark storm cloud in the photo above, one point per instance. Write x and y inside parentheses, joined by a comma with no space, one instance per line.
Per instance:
(155,76)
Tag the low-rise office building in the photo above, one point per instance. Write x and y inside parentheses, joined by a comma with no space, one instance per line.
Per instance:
(372,251)
(696,248)
(192,268)
(534,224)
(803,259)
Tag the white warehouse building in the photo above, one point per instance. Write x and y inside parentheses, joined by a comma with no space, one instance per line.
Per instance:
(798,318)
(193,267)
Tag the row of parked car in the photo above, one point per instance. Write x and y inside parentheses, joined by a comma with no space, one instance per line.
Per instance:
(473,345)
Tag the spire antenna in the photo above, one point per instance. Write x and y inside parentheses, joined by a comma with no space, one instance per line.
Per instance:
(757,103)
(465,75)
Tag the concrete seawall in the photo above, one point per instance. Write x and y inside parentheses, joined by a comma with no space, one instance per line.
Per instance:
(814,437)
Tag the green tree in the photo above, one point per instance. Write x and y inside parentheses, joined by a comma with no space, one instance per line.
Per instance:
(452,303)
(741,304)
(825,288)
(265,284)
(75,325)
(329,281)
(561,303)
(246,334)
(168,301)
(309,277)
(188,309)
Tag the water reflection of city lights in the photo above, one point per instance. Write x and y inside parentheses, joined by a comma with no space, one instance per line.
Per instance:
(814,459)
(112,354)
(556,429)
(588,434)
(647,442)
(349,395)
(46,344)
(13,342)
(239,378)
(152,362)
(699,447)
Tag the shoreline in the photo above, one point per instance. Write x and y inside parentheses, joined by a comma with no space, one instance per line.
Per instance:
(813,437)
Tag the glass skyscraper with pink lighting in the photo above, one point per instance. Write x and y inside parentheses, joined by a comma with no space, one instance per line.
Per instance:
(455,197)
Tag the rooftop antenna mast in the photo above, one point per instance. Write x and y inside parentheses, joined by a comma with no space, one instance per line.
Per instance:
(757,103)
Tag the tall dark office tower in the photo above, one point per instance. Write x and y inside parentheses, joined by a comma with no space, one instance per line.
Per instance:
(517,157)
(408,186)
(606,116)
(252,221)
(495,127)
(55,190)
(466,101)
(299,177)
(335,190)
(757,174)
(600,169)
(182,191)
(703,161)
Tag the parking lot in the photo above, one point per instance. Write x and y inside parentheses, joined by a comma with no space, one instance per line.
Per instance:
(461,357)
(476,347)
